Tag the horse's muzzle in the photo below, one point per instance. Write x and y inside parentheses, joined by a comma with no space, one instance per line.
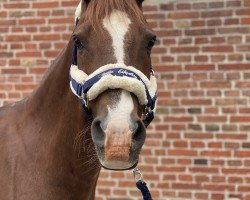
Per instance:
(120,143)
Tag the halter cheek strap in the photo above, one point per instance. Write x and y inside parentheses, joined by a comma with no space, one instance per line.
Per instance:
(113,76)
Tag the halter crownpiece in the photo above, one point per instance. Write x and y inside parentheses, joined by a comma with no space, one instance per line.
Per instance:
(113,76)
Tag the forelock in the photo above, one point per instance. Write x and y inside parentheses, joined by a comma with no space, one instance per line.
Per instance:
(98,10)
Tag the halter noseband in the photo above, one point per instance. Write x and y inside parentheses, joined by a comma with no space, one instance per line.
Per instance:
(113,76)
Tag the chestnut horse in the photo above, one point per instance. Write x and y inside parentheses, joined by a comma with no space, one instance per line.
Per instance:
(53,149)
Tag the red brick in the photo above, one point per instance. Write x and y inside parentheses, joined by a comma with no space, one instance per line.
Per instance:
(217,13)
(232,21)
(232,136)
(214,22)
(240,119)
(206,170)
(215,84)
(234,67)
(198,23)
(184,49)
(216,4)
(218,49)
(157,16)
(198,135)
(199,67)
(201,58)
(167,6)
(218,179)
(182,152)
(61,20)
(216,153)
(184,58)
(212,119)
(197,144)
(200,5)
(200,32)
(233,3)
(186,186)
(213,145)
(18,5)
(201,178)
(178,119)
(235,179)
(183,6)
(31,21)
(180,144)
(227,102)
(13,71)
(183,15)
(18,38)
(196,102)
(243,12)
(182,85)
(201,40)
(3,14)
(184,161)
(244,188)
(219,187)
(47,4)
(185,194)
(201,195)
(241,154)
(239,171)
(29,54)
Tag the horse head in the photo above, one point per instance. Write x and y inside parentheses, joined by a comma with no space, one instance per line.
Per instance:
(113,43)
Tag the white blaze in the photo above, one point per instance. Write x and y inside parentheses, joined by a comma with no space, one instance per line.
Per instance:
(122,111)
(117,24)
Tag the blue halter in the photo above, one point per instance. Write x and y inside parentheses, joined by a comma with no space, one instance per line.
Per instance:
(81,89)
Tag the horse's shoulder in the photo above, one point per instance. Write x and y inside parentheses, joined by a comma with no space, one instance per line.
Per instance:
(10,114)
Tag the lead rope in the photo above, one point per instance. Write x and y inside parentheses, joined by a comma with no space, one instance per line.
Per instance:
(142,185)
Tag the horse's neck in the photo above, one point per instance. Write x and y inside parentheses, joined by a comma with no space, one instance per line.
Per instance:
(53,103)
(54,91)
(57,113)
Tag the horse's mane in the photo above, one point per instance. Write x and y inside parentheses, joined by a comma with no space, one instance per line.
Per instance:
(99,9)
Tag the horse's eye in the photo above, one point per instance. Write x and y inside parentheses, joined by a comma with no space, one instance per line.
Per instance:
(78,42)
(151,43)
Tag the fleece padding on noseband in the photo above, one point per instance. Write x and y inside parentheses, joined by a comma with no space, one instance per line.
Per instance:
(114,76)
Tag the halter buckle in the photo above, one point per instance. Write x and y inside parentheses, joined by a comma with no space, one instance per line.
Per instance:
(85,98)
(148,110)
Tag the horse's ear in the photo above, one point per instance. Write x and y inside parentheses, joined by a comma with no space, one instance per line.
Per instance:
(85,4)
(139,2)
(81,8)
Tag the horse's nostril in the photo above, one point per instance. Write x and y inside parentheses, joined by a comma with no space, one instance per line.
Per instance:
(139,132)
(97,132)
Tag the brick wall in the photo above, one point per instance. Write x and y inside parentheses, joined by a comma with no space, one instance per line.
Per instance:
(199,144)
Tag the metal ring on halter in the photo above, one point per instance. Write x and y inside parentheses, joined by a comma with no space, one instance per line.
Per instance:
(85,98)
(137,175)
(147,110)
